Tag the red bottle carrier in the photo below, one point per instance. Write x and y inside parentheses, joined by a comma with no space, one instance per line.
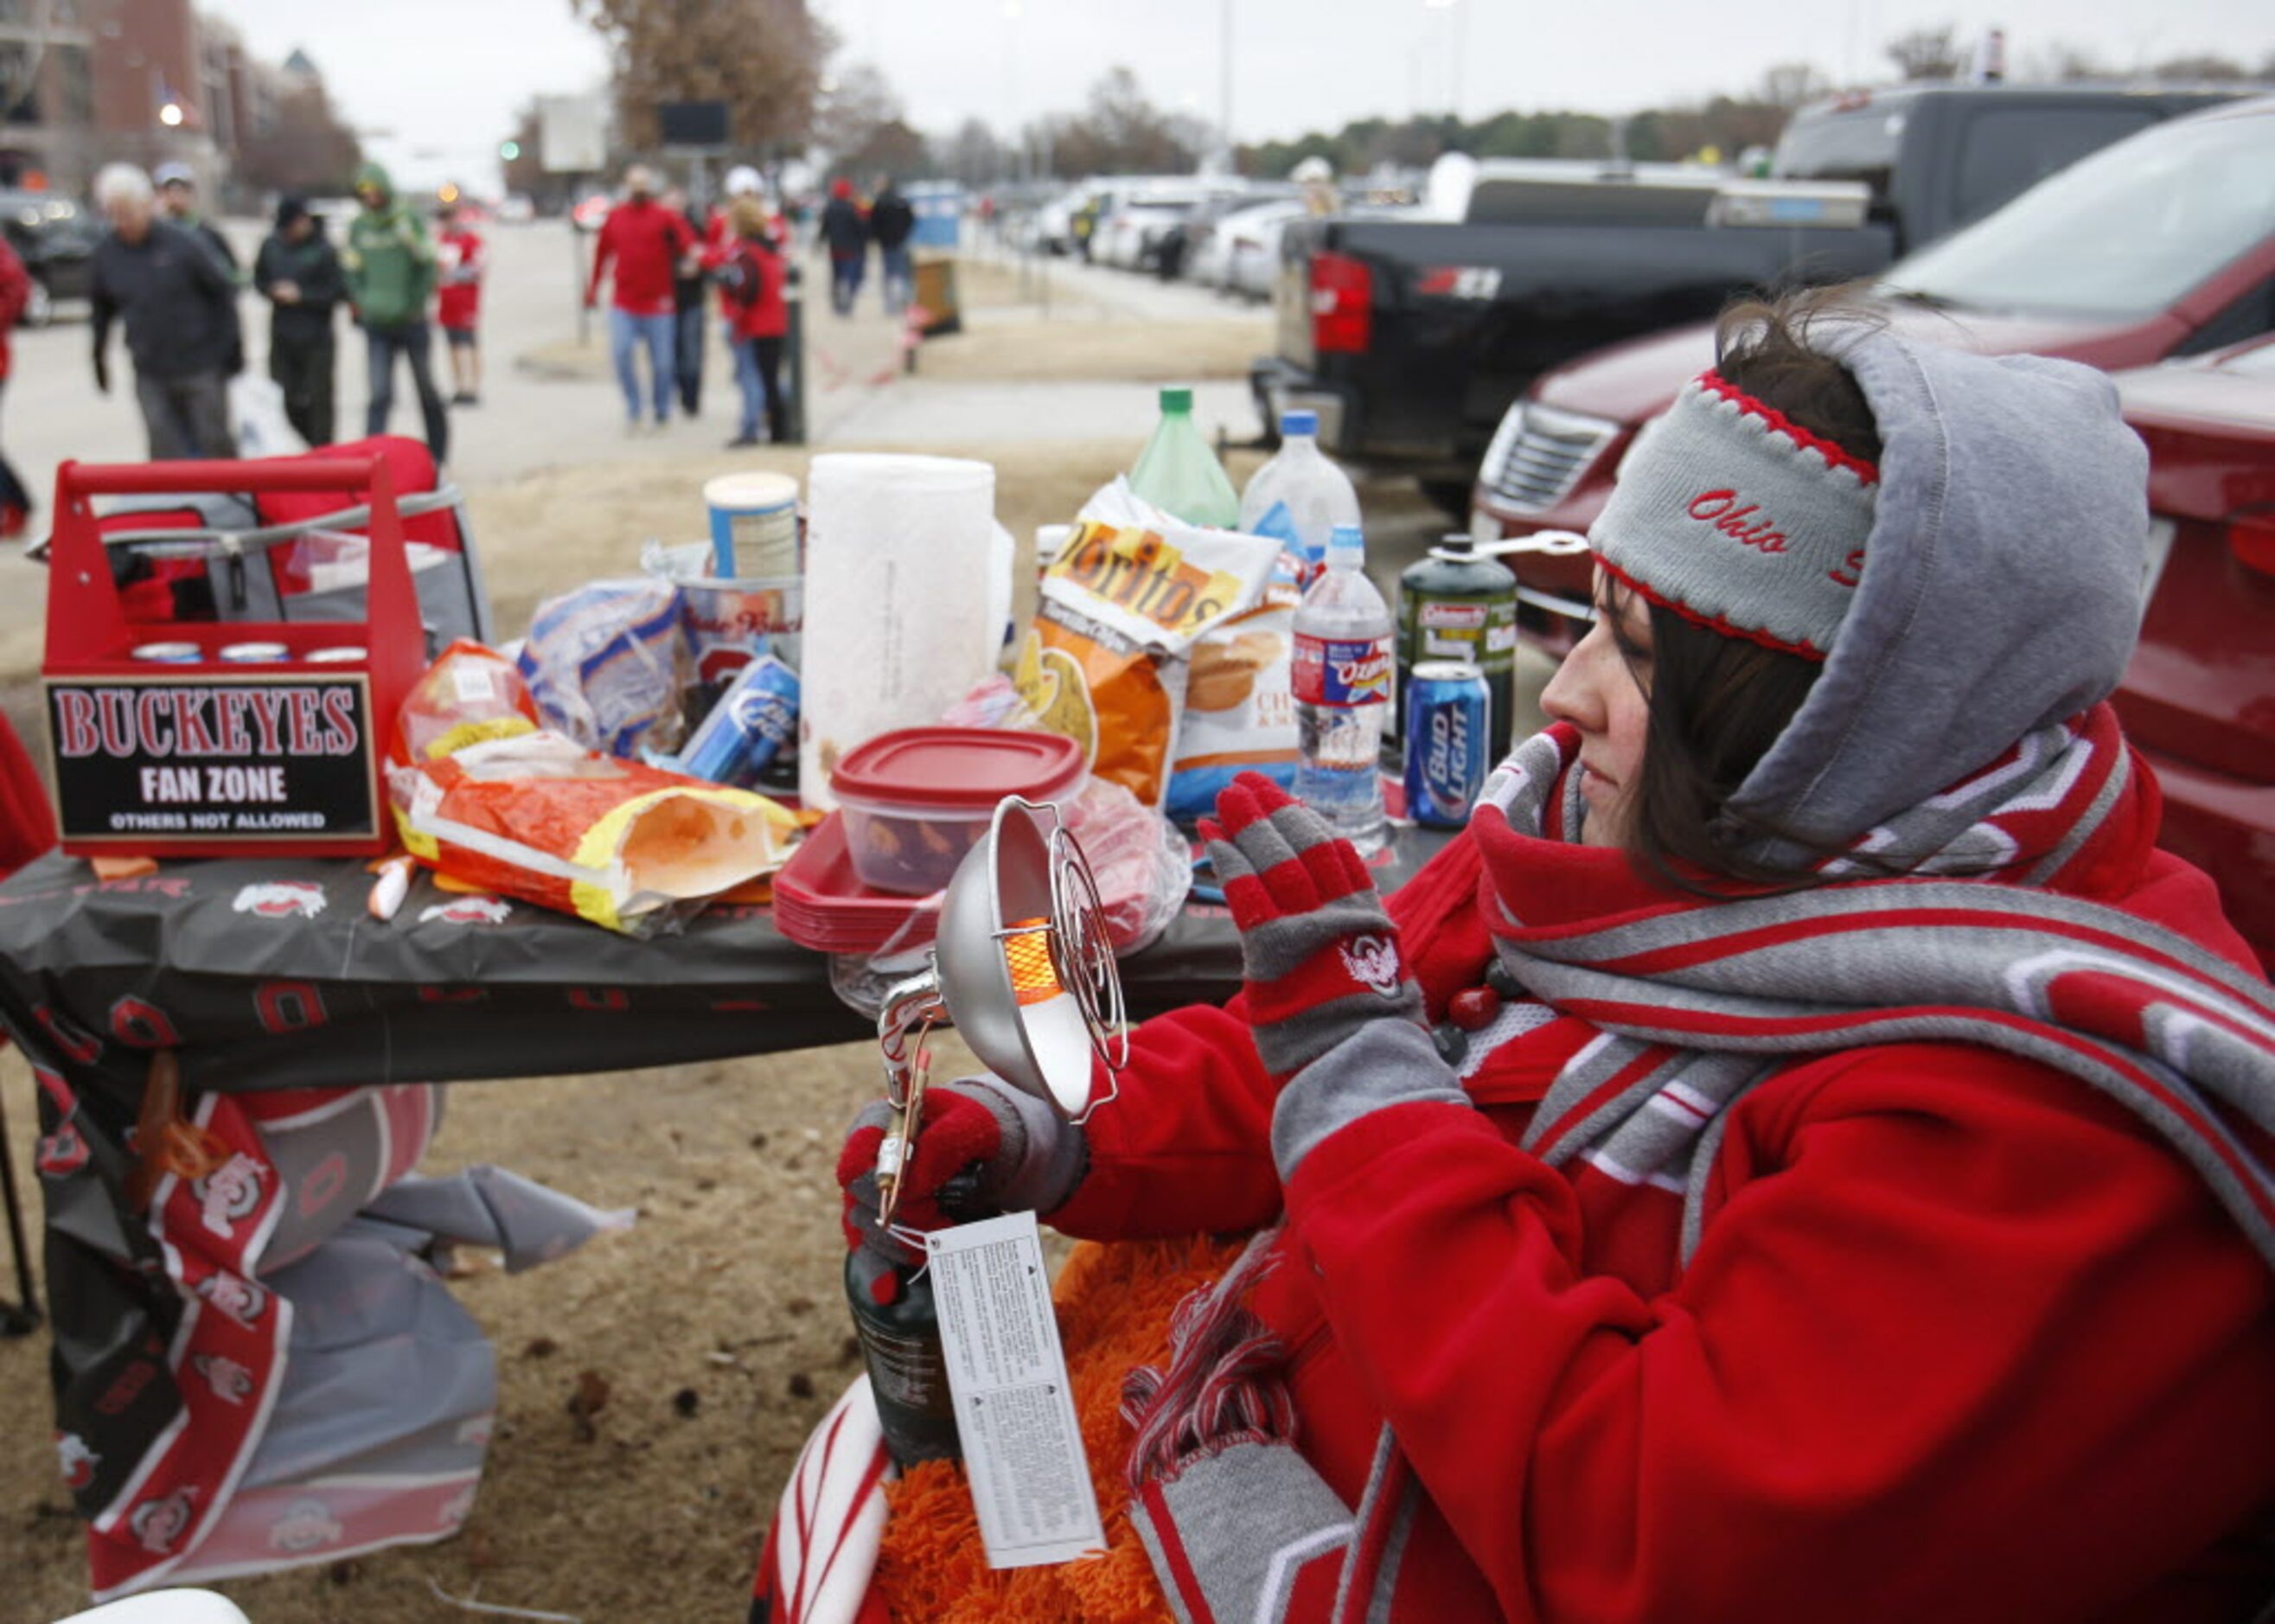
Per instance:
(216,758)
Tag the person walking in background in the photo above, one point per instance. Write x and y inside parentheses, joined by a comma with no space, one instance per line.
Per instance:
(892,222)
(644,242)
(743,181)
(299,273)
(750,276)
(178,304)
(15,293)
(391,274)
(845,234)
(178,201)
(458,307)
(687,306)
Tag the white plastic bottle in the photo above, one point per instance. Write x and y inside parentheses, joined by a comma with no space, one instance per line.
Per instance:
(1342,682)
(1312,494)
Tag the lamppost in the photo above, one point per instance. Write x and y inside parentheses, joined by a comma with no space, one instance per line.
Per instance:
(1455,16)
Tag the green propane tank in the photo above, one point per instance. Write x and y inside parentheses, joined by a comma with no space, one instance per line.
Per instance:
(899,1329)
(1455,604)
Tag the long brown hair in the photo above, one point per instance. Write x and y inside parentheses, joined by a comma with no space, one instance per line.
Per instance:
(1717,703)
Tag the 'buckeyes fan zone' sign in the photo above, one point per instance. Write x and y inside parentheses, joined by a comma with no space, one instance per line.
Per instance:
(237,758)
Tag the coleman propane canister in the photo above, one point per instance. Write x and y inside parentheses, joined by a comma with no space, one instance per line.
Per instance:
(908,1365)
(1455,604)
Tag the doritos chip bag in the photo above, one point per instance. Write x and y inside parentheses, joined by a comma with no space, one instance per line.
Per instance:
(1105,662)
(539,816)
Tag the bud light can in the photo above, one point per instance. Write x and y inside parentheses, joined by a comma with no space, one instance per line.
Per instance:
(1448,735)
(754,720)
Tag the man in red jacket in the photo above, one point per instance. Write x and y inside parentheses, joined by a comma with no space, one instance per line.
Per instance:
(645,241)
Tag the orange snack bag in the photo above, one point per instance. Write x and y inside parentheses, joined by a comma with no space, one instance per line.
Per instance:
(1108,660)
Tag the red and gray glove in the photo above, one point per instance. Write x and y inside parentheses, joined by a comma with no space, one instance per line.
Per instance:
(1323,972)
(983,1148)
(1318,955)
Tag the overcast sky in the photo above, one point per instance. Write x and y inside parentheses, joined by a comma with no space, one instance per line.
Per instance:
(444,75)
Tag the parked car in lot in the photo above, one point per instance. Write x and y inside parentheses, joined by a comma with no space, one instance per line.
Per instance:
(1249,244)
(1201,245)
(2199,699)
(1132,228)
(55,240)
(1410,337)
(2161,245)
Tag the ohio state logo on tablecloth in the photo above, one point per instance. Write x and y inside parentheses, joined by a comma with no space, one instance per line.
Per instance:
(307,1525)
(231,1382)
(280,899)
(62,1152)
(241,1299)
(469,911)
(76,1460)
(157,1523)
(227,1195)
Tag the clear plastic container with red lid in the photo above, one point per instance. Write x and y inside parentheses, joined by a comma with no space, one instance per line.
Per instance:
(915,800)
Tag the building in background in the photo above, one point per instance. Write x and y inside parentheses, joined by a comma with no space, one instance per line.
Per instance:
(87,82)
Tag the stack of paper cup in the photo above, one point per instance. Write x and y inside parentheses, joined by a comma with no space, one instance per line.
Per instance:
(899,621)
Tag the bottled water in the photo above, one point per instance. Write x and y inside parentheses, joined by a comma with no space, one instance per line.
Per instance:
(1341,681)
(1299,496)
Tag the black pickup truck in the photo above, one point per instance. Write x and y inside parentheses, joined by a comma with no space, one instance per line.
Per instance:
(1411,336)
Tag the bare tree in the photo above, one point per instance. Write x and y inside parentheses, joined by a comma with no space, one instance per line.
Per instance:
(859,101)
(2203,69)
(2066,62)
(972,154)
(1119,131)
(762,58)
(1792,84)
(1925,53)
(307,150)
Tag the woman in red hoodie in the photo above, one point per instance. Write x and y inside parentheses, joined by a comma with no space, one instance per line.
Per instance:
(1801,1154)
(750,275)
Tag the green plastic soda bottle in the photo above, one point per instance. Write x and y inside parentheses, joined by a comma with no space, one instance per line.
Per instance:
(1179,474)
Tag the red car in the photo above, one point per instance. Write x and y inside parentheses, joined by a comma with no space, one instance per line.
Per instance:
(2199,697)
(2161,244)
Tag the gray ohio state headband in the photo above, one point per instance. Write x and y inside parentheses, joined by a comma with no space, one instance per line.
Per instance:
(1736,518)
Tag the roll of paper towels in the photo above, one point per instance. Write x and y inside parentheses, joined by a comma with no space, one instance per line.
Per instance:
(897,600)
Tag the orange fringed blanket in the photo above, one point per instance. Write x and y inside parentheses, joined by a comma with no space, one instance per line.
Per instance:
(1115,1304)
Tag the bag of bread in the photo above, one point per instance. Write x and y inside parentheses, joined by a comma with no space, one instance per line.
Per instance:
(1240,712)
(1106,660)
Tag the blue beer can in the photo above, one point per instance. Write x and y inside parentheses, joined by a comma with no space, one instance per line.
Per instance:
(754,720)
(1447,739)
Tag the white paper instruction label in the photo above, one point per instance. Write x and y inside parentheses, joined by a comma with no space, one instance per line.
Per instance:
(1022,1450)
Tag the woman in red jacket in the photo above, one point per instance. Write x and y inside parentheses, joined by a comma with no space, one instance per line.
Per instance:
(1802,1153)
(750,275)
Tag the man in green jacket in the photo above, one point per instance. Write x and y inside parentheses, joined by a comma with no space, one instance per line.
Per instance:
(389,261)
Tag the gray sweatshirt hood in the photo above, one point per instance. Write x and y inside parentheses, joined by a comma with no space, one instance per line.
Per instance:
(2000,590)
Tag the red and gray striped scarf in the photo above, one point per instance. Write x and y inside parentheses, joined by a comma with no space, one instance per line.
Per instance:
(1700,999)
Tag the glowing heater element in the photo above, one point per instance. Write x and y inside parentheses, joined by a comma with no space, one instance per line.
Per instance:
(1027,953)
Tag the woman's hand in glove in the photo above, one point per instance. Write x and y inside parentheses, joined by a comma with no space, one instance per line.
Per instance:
(982,1148)
(1318,954)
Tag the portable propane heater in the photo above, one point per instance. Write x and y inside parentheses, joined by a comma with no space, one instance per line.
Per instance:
(1023,968)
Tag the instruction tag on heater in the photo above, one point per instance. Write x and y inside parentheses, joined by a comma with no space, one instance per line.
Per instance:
(1022,1450)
